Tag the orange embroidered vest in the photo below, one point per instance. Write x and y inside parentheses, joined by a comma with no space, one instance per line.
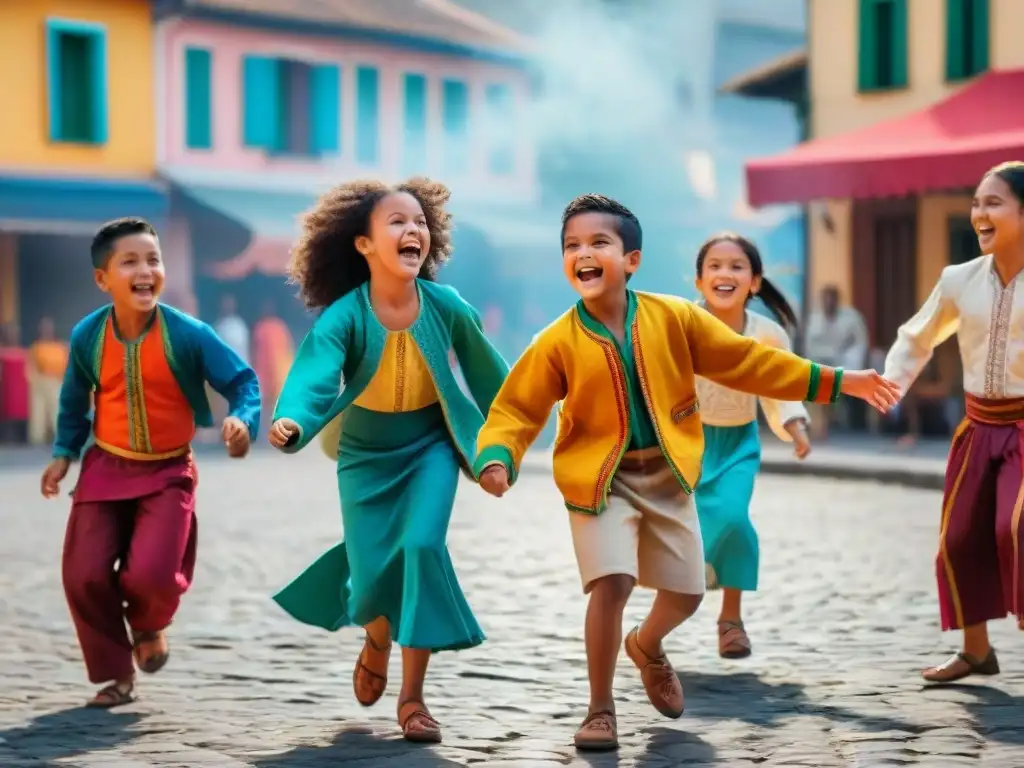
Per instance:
(141,412)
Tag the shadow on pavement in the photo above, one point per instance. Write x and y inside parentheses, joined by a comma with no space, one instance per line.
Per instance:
(746,697)
(996,713)
(71,732)
(377,750)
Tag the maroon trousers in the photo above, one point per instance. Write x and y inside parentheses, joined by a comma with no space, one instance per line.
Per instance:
(129,554)
(981,540)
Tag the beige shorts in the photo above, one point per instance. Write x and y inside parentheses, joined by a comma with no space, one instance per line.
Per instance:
(649,530)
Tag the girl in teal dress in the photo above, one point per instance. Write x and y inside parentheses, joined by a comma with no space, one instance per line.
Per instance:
(729,274)
(373,379)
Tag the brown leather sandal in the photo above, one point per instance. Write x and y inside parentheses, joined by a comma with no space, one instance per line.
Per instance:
(599,732)
(733,641)
(150,662)
(111,696)
(661,683)
(961,665)
(363,676)
(417,725)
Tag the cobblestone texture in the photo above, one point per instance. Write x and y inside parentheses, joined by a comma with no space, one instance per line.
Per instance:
(845,619)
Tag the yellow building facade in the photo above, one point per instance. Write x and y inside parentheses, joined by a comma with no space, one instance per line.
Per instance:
(838,107)
(77,143)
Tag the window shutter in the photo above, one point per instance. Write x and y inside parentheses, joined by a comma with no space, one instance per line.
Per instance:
(415,122)
(899,43)
(100,88)
(325,109)
(980,38)
(867,47)
(198,99)
(260,91)
(367,115)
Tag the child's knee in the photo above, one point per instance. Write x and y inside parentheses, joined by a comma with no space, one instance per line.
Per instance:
(613,590)
(685,605)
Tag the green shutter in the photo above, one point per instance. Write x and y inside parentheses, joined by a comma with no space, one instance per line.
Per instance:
(261,88)
(980,38)
(955,64)
(867,47)
(899,43)
(198,99)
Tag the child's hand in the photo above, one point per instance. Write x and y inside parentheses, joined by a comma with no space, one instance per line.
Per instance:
(282,431)
(797,429)
(236,437)
(52,475)
(494,480)
(872,388)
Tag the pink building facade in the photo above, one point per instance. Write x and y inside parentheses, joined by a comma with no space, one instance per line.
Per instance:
(256,116)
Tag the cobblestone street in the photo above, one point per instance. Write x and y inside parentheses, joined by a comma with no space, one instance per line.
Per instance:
(845,618)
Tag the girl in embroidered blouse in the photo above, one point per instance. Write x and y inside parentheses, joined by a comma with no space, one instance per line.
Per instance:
(729,273)
(981,538)
(374,371)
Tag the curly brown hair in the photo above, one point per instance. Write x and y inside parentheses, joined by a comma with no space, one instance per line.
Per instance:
(325,263)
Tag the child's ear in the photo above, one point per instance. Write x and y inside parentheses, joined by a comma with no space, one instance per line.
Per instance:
(363,245)
(632,262)
(100,276)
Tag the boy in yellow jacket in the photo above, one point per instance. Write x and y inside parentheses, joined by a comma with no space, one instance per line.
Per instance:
(628,450)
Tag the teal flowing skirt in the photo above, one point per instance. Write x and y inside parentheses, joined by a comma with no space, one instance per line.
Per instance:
(732,458)
(397,477)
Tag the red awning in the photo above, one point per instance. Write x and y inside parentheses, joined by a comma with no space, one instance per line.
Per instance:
(947,146)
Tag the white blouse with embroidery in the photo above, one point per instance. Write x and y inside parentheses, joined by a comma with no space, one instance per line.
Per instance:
(971,301)
(724,407)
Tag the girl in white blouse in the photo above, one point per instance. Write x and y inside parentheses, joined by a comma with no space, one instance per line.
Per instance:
(729,273)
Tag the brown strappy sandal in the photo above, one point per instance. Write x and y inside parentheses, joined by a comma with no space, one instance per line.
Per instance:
(733,641)
(599,732)
(376,683)
(418,725)
(111,696)
(150,663)
(961,665)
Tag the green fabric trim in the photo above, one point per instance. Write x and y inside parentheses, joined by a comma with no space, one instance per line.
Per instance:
(492,454)
(814,384)
(837,386)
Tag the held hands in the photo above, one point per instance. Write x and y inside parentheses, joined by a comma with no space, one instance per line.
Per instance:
(52,476)
(871,387)
(797,429)
(494,480)
(281,432)
(236,437)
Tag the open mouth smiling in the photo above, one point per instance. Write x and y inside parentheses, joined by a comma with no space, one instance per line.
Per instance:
(411,252)
(142,289)
(586,274)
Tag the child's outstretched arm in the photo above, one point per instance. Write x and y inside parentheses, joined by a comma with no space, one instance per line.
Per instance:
(314,381)
(738,362)
(233,378)
(518,414)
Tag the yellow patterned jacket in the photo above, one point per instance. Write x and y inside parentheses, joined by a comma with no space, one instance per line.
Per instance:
(673,340)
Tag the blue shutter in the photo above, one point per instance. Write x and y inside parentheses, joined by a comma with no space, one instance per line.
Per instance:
(53,83)
(415,123)
(198,99)
(325,109)
(367,115)
(99,83)
(260,95)
(455,121)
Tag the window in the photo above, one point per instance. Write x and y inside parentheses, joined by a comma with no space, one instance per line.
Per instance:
(455,123)
(967,32)
(291,107)
(198,99)
(367,115)
(883,45)
(414,133)
(76,63)
(501,129)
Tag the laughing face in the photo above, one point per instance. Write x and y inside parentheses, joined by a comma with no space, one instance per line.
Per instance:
(134,273)
(726,278)
(996,215)
(398,240)
(593,257)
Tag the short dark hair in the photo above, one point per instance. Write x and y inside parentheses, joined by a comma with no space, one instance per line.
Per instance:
(103,241)
(1012,173)
(628,226)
